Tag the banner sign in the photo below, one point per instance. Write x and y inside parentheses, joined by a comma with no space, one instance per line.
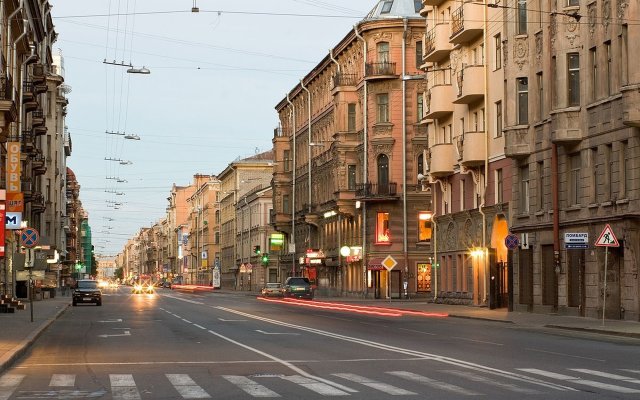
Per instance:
(13,167)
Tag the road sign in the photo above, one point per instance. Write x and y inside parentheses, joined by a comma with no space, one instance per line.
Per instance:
(511,241)
(389,262)
(576,240)
(607,238)
(29,237)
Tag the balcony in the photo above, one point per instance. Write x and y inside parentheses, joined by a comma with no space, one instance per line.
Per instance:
(473,149)
(38,75)
(467,22)
(380,70)
(340,80)
(38,165)
(373,191)
(516,142)
(37,117)
(8,109)
(470,84)
(442,160)
(436,43)
(37,203)
(438,102)
(631,106)
(565,125)
(25,185)
(29,100)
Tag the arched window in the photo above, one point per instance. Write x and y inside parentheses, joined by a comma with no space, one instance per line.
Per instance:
(420,165)
(383,173)
(217,216)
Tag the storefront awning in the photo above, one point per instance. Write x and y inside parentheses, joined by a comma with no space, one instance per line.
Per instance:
(375,264)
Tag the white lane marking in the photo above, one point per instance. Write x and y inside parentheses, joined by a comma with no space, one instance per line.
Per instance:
(123,387)
(585,382)
(449,387)
(479,378)
(124,333)
(199,326)
(477,341)
(62,380)
(633,371)
(251,387)
(315,386)
(8,384)
(607,375)
(187,388)
(287,364)
(232,320)
(564,354)
(187,321)
(276,333)
(181,299)
(420,332)
(383,387)
(435,357)
(111,320)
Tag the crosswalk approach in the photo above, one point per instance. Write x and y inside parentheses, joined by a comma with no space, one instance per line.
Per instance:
(618,383)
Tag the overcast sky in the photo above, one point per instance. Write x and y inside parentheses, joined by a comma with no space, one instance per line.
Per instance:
(215,79)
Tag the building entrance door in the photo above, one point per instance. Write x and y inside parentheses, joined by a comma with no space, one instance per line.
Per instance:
(499,289)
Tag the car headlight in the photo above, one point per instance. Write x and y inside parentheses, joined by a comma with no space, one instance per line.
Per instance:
(138,287)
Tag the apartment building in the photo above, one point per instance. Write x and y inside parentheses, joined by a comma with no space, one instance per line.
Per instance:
(348,150)
(572,120)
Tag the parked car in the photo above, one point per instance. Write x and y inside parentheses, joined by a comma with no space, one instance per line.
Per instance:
(272,289)
(87,291)
(298,286)
(166,284)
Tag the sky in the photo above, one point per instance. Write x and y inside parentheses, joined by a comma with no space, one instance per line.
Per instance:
(215,78)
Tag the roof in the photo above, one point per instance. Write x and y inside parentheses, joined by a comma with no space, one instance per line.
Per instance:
(395,9)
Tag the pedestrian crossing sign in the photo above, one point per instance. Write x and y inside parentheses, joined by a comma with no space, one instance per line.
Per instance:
(607,238)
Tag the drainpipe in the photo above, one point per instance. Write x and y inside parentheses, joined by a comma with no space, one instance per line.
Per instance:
(22,74)
(293,187)
(404,148)
(334,60)
(365,167)
(13,61)
(486,158)
(339,215)
(308,153)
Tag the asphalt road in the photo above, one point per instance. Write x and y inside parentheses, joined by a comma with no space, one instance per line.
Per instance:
(174,345)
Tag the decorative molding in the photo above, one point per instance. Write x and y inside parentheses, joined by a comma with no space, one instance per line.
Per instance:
(505,51)
(572,33)
(553,29)
(382,129)
(382,149)
(606,15)
(539,45)
(592,12)
(622,7)
(520,51)
(382,36)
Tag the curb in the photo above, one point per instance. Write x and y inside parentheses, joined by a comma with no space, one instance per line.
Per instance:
(21,348)
(598,331)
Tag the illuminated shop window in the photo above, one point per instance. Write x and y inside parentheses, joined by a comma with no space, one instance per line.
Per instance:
(382,228)
(424,226)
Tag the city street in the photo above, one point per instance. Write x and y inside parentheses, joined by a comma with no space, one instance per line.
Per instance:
(173,345)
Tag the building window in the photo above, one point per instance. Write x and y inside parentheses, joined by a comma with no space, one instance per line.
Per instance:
(571,3)
(383,52)
(498,119)
(417,5)
(573,81)
(624,54)
(499,186)
(351,176)
(383,234)
(541,109)
(523,100)
(383,173)
(574,179)
(593,56)
(608,73)
(418,54)
(386,7)
(624,167)
(420,165)
(424,226)
(420,106)
(351,117)
(286,206)
(595,180)
(608,171)
(463,204)
(521,17)
(524,189)
(217,237)
(497,51)
(287,160)
(540,183)
(383,107)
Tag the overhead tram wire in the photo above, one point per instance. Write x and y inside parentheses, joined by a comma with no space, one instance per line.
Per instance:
(220,12)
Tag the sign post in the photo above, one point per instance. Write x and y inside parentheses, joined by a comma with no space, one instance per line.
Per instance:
(606,239)
(389,263)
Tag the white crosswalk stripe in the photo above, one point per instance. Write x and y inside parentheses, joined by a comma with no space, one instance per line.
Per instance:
(123,387)
(484,380)
(383,387)
(187,388)
(585,382)
(8,384)
(250,386)
(62,380)
(313,385)
(607,375)
(433,383)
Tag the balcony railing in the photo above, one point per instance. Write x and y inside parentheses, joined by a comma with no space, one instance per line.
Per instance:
(375,190)
(380,69)
(344,80)
(6,88)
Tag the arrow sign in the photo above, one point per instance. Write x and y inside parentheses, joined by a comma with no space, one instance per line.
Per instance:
(125,333)
(607,238)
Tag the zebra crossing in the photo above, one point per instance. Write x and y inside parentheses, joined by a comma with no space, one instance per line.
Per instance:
(402,383)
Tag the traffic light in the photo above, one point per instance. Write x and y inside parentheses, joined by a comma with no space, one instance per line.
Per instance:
(256,249)
(265,259)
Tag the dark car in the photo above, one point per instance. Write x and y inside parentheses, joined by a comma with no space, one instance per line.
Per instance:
(299,287)
(87,291)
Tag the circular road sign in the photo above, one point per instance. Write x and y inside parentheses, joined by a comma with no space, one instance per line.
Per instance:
(29,237)
(511,241)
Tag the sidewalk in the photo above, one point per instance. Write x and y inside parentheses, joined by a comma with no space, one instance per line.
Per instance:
(17,332)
